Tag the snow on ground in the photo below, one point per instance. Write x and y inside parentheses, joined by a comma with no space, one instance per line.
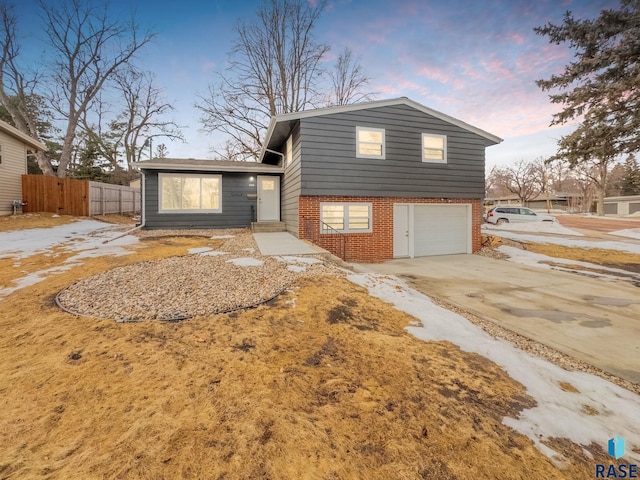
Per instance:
(246,262)
(86,237)
(78,236)
(536,227)
(524,257)
(294,259)
(193,251)
(215,237)
(568,242)
(558,413)
(630,233)
(212,253)
(296,268)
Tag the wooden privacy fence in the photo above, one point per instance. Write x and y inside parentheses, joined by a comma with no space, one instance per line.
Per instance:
(67,196)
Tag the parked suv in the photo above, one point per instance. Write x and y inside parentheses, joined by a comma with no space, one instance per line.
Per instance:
(499,215)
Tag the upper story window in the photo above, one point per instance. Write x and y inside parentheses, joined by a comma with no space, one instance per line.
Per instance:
(288,151)
(370,142)
(186,193)
(434,148)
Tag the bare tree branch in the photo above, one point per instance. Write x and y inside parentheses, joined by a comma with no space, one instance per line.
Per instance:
(274,68)
(349,82)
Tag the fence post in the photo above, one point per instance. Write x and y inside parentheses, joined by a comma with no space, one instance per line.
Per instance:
(102,199)
(120,200)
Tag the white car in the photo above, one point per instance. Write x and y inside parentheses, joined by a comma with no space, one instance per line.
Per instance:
(499,215)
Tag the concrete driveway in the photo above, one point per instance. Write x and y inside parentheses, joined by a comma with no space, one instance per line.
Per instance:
(591,319)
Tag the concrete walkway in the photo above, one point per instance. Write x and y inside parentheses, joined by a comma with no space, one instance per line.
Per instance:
(591,319)
(282,243)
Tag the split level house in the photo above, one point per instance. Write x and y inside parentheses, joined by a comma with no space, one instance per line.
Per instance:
(14,146)
(370,182)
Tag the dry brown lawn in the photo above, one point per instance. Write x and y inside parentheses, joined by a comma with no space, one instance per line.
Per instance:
(321,383)
(46,220)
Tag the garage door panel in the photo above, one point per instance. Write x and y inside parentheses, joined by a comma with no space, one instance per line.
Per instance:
(440,229)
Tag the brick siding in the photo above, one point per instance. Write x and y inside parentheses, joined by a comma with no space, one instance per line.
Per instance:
(376,246)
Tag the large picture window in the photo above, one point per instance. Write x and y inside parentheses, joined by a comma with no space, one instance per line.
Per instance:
(345,217)
(184,193)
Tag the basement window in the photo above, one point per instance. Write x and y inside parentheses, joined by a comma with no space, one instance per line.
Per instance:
(345,217)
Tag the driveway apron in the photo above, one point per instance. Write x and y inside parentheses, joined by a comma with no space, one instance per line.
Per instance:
(592,319)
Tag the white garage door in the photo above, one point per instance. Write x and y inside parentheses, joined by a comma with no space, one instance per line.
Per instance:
(432,230)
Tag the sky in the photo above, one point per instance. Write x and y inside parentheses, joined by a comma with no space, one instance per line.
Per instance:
(474,60)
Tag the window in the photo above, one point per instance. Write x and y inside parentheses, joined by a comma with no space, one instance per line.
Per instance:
(434,148)
(184,193)
(288,153)
(0,154)
(370,142)
(345,217)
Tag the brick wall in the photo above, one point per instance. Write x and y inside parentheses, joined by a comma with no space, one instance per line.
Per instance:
(376,246)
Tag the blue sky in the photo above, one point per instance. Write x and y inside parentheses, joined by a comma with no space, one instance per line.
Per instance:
(474,60)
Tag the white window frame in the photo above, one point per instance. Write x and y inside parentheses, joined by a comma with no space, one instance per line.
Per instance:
(383,146)
(346,228)
(288,152)
(444,150)
(189,175)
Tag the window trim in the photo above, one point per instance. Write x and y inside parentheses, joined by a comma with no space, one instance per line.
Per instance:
(382,155)
(346,228)
(288,152)
(444,150)
(189,175)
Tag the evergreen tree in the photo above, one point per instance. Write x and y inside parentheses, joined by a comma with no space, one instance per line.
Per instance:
(630,183)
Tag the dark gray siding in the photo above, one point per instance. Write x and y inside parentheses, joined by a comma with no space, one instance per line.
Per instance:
(237,210)
(330,166)
(291,186)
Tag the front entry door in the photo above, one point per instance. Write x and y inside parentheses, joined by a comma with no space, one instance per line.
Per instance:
(401,231)
(268,198)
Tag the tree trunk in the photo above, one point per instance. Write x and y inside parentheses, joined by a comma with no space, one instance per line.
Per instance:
(44,164)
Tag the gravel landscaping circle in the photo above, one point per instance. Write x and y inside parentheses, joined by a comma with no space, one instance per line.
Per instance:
(203,283)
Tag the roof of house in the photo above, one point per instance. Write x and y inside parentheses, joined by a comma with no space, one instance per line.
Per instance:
(206,165)
(26,139)
(281,125)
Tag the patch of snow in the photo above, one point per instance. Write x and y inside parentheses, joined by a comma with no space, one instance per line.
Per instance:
(198,250)
(294,260)
(32,279)
(246,262)
(570,242)
(250,250)
(536,227)
(215,237)
(296,268)
(212,253)
(629,233)
(24,243)
(291,303)
(524,257)
(557,413)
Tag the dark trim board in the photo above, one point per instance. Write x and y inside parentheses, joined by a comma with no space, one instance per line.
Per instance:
(239,204)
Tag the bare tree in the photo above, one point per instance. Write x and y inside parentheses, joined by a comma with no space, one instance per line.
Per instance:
(524,179)
(18,85)
(143,118)
(88,47)
(274,67)
(348,80)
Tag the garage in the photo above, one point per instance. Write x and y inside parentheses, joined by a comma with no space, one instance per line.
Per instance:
(421,230)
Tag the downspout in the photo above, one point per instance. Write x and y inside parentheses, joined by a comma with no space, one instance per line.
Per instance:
(143,210)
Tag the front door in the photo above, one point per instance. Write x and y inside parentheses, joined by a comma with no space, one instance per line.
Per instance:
(268,198)
(401,231)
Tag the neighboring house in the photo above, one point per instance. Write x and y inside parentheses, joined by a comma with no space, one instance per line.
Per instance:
(569,202)
(13,164)
(627,205)
(388,179)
